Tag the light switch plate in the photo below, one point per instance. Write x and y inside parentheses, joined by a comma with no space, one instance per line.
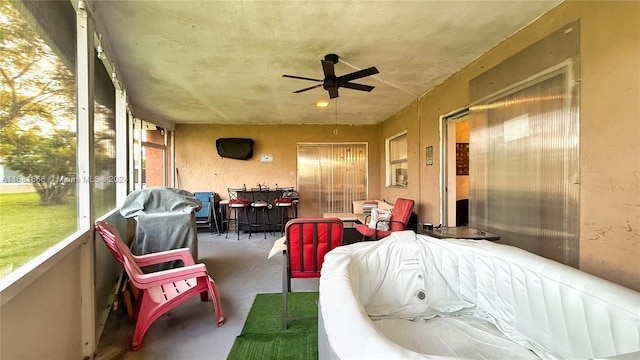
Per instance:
(266,158)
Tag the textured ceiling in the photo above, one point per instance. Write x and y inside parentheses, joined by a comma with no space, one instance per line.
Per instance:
(221,62)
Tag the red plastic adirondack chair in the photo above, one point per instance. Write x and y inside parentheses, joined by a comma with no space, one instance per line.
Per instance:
(397,222)
(308,240)
(160,291)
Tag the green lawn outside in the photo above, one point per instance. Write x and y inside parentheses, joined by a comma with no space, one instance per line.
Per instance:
(28,228)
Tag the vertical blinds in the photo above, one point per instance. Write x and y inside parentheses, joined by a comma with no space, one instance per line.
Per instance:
(524,148)
(332,176)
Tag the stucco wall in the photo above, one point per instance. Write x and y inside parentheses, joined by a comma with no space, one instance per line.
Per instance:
(609,146)
(200,167)
(404,120)
(609,130)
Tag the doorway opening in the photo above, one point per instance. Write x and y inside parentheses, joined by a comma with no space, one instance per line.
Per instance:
(455,168)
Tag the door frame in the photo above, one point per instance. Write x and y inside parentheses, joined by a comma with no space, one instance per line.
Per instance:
(447,159)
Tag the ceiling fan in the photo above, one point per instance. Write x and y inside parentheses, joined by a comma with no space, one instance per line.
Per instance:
(331,82)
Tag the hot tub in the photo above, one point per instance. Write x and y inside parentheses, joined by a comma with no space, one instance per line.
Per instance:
(411,296)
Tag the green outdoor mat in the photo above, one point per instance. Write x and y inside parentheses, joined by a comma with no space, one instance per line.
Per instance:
(262,336)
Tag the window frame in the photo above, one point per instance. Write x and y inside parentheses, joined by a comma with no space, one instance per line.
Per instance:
(67,53)
(138,150)
(19,280)
(391,164)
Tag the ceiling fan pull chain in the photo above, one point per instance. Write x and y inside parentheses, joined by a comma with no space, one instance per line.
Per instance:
(335,131)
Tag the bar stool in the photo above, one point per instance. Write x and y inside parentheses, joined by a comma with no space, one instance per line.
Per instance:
(284,203)
(261,203)
(223,209)
(238,204)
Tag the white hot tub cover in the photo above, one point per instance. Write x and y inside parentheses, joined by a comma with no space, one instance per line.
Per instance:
(538,304)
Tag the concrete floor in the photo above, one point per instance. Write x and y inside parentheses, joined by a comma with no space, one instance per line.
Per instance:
(241,270)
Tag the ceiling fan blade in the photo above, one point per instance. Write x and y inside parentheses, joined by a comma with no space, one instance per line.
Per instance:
(333,92)
(301,78)
(358,74)
(355,86)
(327,67)
(305,89)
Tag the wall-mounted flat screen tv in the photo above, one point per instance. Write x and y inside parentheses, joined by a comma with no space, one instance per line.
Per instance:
(235,148)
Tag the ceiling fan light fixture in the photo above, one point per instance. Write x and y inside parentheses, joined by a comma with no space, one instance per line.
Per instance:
(322,103)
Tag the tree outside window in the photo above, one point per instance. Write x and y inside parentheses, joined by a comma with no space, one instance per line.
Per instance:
(37,139)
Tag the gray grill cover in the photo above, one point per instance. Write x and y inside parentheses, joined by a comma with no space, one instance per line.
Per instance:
(165,220)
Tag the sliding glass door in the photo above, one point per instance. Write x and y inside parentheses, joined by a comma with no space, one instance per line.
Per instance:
(332,175)
(524,166)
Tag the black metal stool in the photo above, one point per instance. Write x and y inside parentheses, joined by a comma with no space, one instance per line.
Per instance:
(238,204)
(261,203)
(285,203)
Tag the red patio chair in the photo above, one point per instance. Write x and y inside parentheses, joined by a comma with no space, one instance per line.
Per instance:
(160,291)
(397,221)
(308,240)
